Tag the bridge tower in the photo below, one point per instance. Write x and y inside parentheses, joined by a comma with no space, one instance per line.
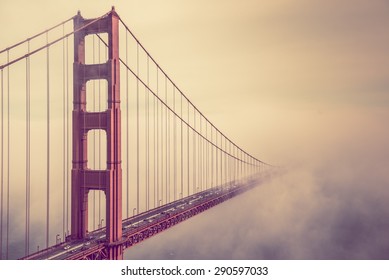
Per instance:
(83,178)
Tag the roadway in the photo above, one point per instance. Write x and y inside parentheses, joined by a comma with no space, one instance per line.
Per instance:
(97,239)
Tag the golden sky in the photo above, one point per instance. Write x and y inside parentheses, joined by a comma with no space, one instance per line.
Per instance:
(260,70)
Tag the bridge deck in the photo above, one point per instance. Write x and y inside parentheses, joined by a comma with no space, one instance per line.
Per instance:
(144,225)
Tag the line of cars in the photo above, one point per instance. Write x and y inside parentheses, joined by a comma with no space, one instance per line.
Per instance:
(100,236)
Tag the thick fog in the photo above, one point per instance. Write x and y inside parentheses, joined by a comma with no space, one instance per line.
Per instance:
(330,203)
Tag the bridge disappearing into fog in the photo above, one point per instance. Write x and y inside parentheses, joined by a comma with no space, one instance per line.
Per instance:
(131,157)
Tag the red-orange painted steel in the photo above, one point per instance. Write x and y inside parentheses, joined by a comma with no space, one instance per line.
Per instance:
(84,179)
(144,232)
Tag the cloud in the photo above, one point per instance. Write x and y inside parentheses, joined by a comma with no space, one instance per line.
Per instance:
(331,205)
(291,217)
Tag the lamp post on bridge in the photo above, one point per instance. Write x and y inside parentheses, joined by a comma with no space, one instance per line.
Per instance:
(133,214)
(100,225)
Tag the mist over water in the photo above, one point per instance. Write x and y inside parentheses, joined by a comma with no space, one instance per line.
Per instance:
(330,203)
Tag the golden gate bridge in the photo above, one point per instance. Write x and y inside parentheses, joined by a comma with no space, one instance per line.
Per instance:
(100,149)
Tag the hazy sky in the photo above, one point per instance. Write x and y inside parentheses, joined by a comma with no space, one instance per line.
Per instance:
(302,84)
(284,62)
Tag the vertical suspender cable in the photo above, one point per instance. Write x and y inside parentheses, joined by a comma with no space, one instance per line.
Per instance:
(200,170)
(245,166)
(230,172)
(254,168)
(210,158)
(27,234)
(164,142)
(212,165)
(157,151)
(207,157)
(26,202)
(236,164)
(167,169)
(248,166)
(67,135)
(182,152)
(221,160)
(218,184)
(147,126)
(63,134)
(26,178)
(2,166)
(167,149)
(226,167)
(241,165)
(175,144)
(238,171)
(137,128)
(194,151)
(228,158)
(229,162)
(210,149)
(163,160)
(160,152)
(233,160)
(187,135)
(127,135)
(232,164)
(217,161)
(251,166)
(148,134)
(145,141)
(8,157)
(162,149)
(155,106)
(206,147)
(48,146)
(204,158)
(225,161)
